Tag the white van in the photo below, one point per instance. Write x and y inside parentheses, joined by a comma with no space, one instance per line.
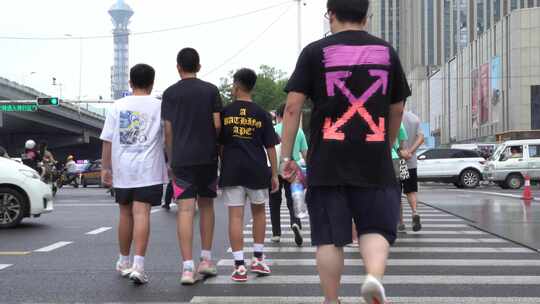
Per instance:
(511,161)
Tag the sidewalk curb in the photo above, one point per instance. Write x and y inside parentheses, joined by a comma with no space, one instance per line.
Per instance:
(474,225)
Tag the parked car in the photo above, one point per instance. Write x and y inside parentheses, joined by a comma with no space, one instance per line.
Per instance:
(91,175)
(463,168)
(22,193)
(511,161)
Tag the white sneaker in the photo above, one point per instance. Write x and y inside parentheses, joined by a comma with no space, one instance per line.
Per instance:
(373,291)
(138,276)
(276,239)
(124,269)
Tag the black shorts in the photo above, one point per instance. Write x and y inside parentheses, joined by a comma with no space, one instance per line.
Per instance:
(151,195)
(195,181)
(333,209)
(410,185)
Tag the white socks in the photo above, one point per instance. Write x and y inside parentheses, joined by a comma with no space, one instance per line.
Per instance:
(189,265)
(123,259)
(206,255)
(138,262)
(238,255)
(258,247)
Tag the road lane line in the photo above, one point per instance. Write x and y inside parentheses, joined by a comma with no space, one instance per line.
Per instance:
(14,253)
(155,210)
(402,262)
(402,250)
(53,247)
(388,280)
(405,240)
(423,226)
(98,231)
(351,300)
(4,266)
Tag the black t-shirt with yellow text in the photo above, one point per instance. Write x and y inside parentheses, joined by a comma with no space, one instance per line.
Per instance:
(246,131)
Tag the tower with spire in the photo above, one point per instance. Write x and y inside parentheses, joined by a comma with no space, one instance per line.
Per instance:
(120,13)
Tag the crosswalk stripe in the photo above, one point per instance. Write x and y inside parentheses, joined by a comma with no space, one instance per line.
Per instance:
(4,266)
(390,280)
(422,232)
(403,262)
(355,300)
(423,225)
(403,250)
(98,231)
(53,247)
(428,220)
(406,240)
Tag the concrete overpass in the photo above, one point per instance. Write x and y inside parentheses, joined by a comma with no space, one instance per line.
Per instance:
(67,128)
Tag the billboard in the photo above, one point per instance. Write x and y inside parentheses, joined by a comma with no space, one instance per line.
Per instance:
(484,93)
(496,87)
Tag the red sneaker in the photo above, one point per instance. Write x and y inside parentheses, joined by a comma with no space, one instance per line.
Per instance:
(260,267)
(239,274)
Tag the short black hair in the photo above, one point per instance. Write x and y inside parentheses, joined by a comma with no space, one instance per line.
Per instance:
(280,111)
(349,10)
(246,78)
(188,59)
(142,76)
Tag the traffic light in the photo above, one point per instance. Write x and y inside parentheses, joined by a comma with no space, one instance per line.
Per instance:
(48,101)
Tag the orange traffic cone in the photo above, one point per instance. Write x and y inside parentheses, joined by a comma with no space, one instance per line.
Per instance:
(527,194)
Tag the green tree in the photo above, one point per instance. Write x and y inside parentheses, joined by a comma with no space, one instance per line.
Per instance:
(268,91)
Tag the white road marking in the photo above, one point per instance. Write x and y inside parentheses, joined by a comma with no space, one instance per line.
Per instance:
(403,262)
(402,250)
(422,232)
(351,300)
(495,193)
(98,231)
(155,210)
(389,280)
(85,205)
(406,240)
(53,247)
(423,226)
(4,266)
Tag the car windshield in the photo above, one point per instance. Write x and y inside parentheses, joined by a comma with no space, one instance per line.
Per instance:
(497,153)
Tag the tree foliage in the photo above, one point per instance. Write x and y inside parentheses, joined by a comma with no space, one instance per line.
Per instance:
(269,91)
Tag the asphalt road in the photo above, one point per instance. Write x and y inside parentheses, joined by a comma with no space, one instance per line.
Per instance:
(53,259)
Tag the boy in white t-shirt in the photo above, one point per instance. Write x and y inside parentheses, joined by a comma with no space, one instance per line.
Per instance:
(134,165)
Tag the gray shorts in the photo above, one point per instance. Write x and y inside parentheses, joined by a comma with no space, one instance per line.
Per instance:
(239,196)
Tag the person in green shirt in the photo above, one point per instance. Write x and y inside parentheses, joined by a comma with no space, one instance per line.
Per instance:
(399,144)
(299,152)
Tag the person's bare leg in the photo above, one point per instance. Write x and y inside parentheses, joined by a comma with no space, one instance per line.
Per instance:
(236,228)
(354,233)
(411,197)
(186,213)
(259,223)
(374,249)
(330,267)
(400,213)
(125,229)
(206,222)
(141,227)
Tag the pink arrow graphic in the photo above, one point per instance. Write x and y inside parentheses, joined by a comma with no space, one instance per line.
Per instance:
(336,79)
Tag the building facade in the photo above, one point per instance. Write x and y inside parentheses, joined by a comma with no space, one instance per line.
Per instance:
(384,20)
(120,13)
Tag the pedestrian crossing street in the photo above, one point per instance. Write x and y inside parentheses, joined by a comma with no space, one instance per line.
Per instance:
(448,262)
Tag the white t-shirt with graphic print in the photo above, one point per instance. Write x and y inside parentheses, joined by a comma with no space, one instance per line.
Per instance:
(133,126)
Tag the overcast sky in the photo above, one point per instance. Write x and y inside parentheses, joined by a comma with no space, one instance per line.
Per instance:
(35,62)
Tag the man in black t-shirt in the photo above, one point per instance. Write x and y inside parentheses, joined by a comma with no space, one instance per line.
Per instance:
(245,176)
(358,89)
(191,111)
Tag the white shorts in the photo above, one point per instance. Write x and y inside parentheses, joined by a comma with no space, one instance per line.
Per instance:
(239,196)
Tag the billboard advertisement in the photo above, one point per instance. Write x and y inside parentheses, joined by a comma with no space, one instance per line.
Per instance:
(496,87)
(484,93)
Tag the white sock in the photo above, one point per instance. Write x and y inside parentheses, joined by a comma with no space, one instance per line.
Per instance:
(138,262)
(189,265)
(123,259)
(206,255)
(238,255)
(258,248)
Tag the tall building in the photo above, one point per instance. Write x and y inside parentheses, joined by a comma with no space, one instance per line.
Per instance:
(120,13)
(384,20)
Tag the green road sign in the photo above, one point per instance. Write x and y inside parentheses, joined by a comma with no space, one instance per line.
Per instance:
(18,106)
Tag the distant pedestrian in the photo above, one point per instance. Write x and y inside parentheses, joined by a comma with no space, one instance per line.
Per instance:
(410,186)
(357,87)
(191,110)
(399,154)
(299,152)
(245,176)
(134,165)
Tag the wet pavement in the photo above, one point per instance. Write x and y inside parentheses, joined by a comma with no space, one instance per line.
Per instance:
(497,211)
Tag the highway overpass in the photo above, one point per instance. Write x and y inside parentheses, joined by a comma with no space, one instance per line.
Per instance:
(67,128)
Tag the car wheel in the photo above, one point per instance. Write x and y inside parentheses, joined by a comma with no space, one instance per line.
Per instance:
(470,179)
(514,181)
(12,207)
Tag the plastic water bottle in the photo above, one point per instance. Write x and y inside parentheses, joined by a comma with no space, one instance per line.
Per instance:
(299,198)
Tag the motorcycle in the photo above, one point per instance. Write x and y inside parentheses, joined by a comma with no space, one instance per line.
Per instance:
(64,179)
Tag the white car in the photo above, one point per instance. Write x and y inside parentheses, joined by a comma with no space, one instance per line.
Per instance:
(463,168)
(22,193)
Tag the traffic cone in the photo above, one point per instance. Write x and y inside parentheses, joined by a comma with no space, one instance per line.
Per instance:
(527,194)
